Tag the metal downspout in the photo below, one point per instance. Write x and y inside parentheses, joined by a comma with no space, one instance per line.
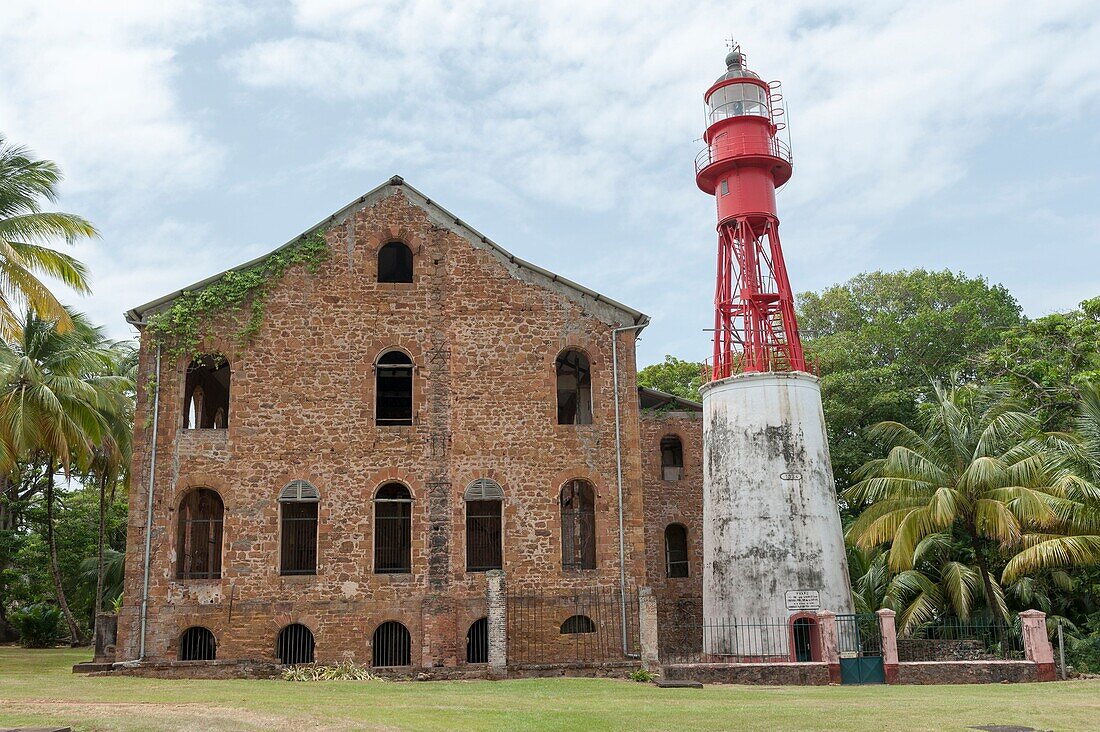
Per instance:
(149,509)
(619,479)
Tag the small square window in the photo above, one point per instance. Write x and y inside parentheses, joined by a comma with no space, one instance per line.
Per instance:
(726,187)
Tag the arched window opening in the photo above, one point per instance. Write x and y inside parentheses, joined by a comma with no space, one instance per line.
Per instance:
(578,624)
(804,636)
(199,535)
(393,530)
(298,504)
(672,458)
(676,551)
(484,509)
(197,644)
(395,263)
(206,393)
(390,645)
(574,379)
(477,642)
(295,645)
(393,388)
(578,525)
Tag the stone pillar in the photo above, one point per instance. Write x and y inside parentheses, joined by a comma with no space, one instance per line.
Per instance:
(1037,648)
(498,622)
(647,626)
(830,650)
(887,626)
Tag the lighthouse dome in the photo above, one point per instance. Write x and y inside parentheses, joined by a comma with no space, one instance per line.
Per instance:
(735,68)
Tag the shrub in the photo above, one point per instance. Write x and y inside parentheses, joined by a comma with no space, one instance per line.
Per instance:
(343,671)
(642,676)
(1084,654)
(39,625)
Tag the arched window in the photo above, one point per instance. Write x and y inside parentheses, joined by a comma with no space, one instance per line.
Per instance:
(574,378)
(805,641)
(395,263)
(206,393)
(197,644)
(484,502)
(578,624)
(578,525)
(477,641)
(393,530)
(199,538)
(295,645)
(672,458)
(298,503)
(676,551)
(393,383)
(390,645)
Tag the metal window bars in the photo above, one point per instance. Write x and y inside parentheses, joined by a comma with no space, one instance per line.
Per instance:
(199,536)
(578,526)
(483,536)
(298,550)
(393,530)
(391,645)
(295,645)
(197,644)
(579,627)
(477,641)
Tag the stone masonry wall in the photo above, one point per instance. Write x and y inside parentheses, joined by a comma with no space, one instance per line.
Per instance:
(483,337)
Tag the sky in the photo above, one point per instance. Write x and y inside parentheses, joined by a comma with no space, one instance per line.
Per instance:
(199,134)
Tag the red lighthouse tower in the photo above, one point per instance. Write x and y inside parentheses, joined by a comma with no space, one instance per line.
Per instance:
(744,162)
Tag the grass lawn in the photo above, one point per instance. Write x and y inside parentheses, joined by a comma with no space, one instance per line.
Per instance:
(37,688)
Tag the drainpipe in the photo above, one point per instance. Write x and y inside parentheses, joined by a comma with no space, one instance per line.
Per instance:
(619,479)
(149,509)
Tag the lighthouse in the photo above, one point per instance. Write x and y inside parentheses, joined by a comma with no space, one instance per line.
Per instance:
(772,541)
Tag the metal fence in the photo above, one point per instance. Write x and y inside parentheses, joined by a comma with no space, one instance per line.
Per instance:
(956,639)
(586,626)
(727,640)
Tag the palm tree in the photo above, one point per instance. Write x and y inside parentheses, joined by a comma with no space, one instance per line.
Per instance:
(52,409)
(24,230)
(979,474)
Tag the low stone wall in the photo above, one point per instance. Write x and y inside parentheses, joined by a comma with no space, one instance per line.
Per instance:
(767,674)
(197,670)
(966,672)
(934,649)
(617,669)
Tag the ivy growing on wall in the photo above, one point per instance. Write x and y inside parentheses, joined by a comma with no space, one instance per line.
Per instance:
(238,295)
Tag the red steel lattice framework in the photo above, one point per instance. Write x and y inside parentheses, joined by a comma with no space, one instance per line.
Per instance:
(743,164)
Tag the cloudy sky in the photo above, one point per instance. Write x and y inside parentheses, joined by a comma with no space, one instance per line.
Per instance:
(197,135)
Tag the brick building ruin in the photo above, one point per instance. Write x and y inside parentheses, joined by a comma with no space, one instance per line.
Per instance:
(422,410)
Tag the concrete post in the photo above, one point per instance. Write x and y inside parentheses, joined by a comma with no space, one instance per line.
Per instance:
(887,625)
(498,622)
(1037,648)
(830,650)
(647,624)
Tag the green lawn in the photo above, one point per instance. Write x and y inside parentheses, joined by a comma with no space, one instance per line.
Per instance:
(37,688)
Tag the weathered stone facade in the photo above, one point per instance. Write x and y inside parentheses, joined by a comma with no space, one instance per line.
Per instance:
(483,331)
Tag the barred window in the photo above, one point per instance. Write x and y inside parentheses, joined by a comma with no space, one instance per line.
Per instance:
(484,500)
(206,393)
(676,551)
(199,538)
(578,525)
(391,645)
(574,384)
(672,458)
(578,624)
(197,644)
(298,504)
(477,641)
(393,389)
(395,263)
(295,645)
(393,530)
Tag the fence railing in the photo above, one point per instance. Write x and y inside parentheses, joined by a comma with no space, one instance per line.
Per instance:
(955,639)
(728,640)
(581,627)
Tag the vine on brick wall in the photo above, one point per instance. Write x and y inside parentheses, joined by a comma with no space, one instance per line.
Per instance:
(240,295)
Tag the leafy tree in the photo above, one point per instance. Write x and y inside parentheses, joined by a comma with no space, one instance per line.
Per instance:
(980,473)
(879,338)
(673,376)
(24,230)
(1046,361)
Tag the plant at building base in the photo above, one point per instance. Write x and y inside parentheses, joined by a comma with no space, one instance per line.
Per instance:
(239,295)
(341,671)
(38,625)
(979,481)
(642,676)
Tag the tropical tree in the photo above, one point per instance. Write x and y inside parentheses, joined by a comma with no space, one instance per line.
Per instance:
(979,480)
(25,229)
(673,376)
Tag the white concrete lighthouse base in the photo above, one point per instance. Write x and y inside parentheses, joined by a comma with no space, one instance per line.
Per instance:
(772,539)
